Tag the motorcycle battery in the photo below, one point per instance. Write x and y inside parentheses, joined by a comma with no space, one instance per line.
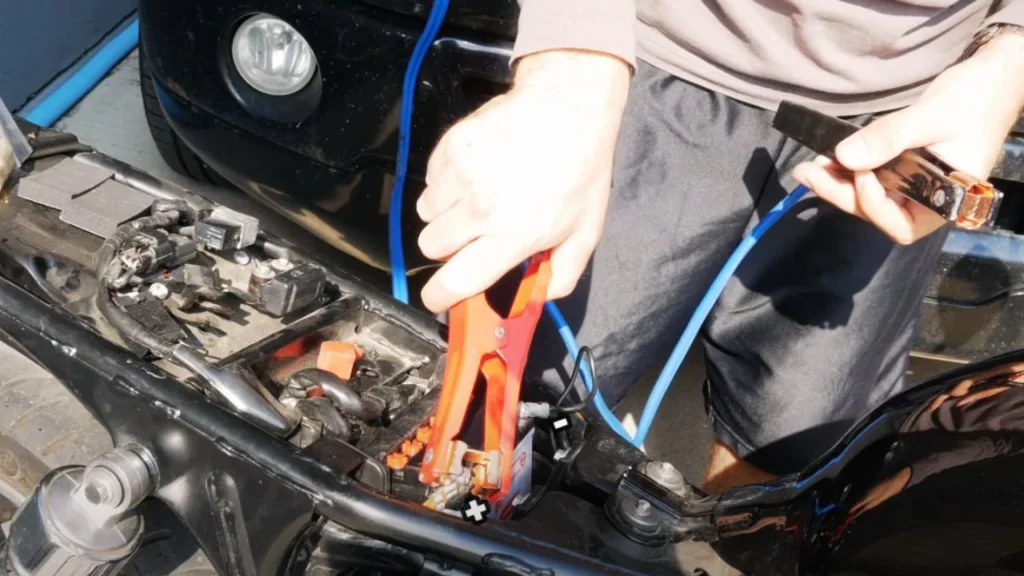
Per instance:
(522,477)
(404,467)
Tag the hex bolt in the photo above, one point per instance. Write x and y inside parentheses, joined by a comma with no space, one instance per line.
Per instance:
(643,508)
(241,257)
(666,475)
(117,479)
(281,265)
(102,487)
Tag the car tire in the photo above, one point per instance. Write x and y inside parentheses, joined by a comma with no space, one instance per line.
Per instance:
(42,427)
(172,149)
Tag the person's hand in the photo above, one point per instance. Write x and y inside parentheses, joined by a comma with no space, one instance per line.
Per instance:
(527,172)
(964,117)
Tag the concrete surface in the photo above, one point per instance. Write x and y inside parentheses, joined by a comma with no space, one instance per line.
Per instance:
(111,118)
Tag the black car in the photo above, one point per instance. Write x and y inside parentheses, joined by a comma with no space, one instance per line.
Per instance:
(321,146)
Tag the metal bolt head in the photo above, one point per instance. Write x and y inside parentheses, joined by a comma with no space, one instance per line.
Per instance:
(263,271)
(101,487)
(159,291)
(666,475)
(280,265)
(96,493)
(643,508)
(499,331)
(241,257)
(939,197)
(428,456)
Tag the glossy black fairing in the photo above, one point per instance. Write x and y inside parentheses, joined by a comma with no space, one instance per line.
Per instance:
(325,156)
(932,483)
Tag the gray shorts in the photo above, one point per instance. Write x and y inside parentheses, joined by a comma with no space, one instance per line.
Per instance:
(811,333)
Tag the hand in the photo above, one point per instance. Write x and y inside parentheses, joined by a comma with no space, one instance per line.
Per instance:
(527,172)
(964,117)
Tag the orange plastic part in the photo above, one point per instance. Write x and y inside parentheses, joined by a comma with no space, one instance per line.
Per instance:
(293,349)
(411,447)
(397,461)
(423,434)
(479,340)
(339,358)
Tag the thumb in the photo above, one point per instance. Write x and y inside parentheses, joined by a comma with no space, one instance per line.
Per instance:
(889,136)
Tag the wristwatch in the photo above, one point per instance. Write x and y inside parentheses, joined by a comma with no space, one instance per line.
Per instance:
(987,34)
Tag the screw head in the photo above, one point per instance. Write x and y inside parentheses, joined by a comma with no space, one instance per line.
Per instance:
(939,197)
(499,331)
(428,456)
(102,488)
(643,508)
(281,265)
(241,257)
(96,493)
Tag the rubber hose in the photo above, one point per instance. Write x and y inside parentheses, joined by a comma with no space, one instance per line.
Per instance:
(324,411)
(340,393)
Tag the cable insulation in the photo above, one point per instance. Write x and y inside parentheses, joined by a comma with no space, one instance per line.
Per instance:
(675,360)
(399,282)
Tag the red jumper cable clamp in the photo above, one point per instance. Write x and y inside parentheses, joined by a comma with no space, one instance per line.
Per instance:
(481,341)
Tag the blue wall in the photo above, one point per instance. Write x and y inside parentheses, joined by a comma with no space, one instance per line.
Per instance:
(40,38)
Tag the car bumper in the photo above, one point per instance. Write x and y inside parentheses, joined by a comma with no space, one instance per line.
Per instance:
(324,159)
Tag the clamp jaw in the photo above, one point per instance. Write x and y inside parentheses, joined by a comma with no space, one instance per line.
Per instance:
(920,175)
(481,341)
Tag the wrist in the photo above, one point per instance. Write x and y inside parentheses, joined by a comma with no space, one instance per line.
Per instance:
(1006,53)
(593,77)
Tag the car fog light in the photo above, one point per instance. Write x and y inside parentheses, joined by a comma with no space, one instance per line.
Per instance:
(272,57)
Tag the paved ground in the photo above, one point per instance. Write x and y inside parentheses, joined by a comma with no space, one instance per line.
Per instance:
(111,118)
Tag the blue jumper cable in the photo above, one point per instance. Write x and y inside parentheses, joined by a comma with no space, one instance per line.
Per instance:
(399,282)
(400,287)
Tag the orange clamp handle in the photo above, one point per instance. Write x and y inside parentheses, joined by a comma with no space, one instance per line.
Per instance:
(479,340)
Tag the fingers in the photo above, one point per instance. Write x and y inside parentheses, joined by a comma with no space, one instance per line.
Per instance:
(825,178)
(568,261)
(889,136)
(862,195)
(450,231)
(881,210)
(470,271)
(439,196)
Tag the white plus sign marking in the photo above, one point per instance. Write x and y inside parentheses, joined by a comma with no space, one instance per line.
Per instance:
(476,511)
(561,423)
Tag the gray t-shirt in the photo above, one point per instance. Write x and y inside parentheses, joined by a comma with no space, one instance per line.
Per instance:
(843,57)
